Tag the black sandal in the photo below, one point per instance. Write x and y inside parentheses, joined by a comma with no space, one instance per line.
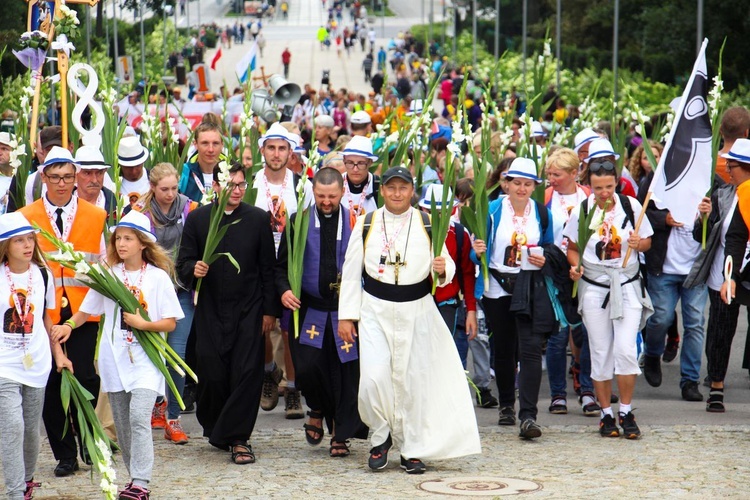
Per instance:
(311,428)
(242,454)
(339,447)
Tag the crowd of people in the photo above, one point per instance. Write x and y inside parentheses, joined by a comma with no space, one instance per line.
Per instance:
(374,344)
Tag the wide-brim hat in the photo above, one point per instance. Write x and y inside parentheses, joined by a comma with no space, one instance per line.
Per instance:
(59,155)
(740,151)
(360,118)
(137,221)
(599,148)
(14,224)
(523,168)
(90,158)
(435,191)
(537,130)
(415,107)
(397,173)
(277,131)
(131,152)
(6,138)
(359,146)
(584,137)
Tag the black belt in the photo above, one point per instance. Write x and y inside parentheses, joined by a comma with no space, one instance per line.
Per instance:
(602,285)
(319,304)
(397,293)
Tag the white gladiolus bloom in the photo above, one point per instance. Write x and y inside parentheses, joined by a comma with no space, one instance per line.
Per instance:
(392,138)
(547,49)
(82,267)
(454,148)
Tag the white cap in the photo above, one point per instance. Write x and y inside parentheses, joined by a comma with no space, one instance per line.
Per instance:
(524,168)
(583,137)
(360,118)
(600,147)
(138,221)
(90,158)
(59,155)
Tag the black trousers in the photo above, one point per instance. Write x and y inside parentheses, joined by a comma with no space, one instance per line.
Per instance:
(515,342)
(80,348)
(722,324)
(329,386)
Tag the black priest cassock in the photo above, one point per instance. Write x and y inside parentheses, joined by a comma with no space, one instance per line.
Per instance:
(228,321)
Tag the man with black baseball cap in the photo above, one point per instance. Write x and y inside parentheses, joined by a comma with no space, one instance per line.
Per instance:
(407,353)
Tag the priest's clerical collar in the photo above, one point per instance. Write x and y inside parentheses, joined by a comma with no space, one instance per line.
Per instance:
(356,188)
(321,215)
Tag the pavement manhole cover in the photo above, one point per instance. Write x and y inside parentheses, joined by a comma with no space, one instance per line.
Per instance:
(479,486)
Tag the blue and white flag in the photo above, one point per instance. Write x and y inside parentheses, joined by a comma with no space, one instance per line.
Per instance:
(247,64)
(683,176)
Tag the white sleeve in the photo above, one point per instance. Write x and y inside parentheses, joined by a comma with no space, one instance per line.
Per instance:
(169,304)
(350,296)
(49,295)
(93,303)
(571,228)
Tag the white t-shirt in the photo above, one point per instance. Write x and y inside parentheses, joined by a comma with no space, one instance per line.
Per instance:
(352,201)
(561,206)
(288,201)
(116,370)
(682,250)
(506,249)
(609,244)
(35,338)
(134,189)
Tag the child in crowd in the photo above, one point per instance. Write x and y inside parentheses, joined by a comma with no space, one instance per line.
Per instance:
(26,291)
(130,378)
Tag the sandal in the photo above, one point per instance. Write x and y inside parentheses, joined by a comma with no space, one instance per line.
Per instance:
(311,428)
(344,446)
(242,454)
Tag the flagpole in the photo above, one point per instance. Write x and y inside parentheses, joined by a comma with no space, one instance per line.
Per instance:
(678,114)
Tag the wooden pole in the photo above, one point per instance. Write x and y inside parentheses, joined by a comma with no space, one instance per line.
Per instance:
(637,226)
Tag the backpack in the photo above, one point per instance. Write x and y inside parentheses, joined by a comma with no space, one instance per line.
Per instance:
(626,207)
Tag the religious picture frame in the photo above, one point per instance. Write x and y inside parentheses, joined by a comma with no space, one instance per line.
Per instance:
(41,13)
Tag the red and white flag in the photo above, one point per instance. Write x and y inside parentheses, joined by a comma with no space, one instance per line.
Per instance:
(216,58)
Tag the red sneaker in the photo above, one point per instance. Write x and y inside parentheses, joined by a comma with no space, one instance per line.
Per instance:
(173,432)
(159,415)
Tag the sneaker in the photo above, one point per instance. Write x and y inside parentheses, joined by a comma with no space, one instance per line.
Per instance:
(159,415)
(379,455)
(507,416)
(530,429)
(671,350)
(608,427)
(590,409)
(188,397)
(558,407)
(292,405)
(134,492)
(629,428)
(485,399)
(690,392)
(29,493)
(269,397)
(652,370)
(173,432)
(413,465)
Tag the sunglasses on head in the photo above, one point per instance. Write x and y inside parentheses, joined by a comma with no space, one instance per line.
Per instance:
(606,165)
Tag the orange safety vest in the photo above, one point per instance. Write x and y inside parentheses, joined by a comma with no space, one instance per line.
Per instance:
(86,237)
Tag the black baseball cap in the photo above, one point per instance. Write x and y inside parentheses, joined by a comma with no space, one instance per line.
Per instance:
(396,173)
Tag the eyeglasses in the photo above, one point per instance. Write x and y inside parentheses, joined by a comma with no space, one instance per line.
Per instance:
(732,164)
(232,186)
(67,179)
(606,165)
(360,165)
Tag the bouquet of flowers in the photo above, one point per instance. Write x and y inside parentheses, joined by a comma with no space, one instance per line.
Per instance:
(98,445)
(100,278)
(66,22)
(586,228)
(216,231)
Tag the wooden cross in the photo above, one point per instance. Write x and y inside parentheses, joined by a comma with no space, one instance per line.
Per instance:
(396,265)
(312,332)
(346,346)
(336,286)
(62,68)
(263,78)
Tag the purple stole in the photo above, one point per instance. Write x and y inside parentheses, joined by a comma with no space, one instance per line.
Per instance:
(314,323)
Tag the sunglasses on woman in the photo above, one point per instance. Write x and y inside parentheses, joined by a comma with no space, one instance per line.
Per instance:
(606,165)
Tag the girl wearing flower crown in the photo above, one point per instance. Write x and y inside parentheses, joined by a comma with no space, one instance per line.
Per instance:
(25,292)
(127,374)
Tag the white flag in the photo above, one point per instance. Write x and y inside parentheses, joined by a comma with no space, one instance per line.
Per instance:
(247,64)
(683,176)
